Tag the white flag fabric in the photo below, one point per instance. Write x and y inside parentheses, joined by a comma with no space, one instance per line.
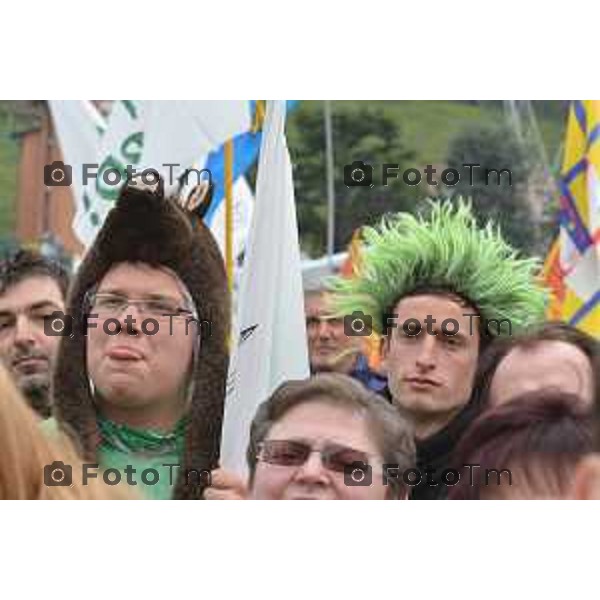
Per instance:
(184,132)
(86,138)
(79,127)
(120,145)
(243,207)
(147,134)
(271,345)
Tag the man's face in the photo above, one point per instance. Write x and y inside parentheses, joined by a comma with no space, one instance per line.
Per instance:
(329,348)
(24,348)
(431,376)
(142,379)
(549,364)
(318,425)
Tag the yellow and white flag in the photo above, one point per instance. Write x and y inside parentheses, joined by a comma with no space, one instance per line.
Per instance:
(573,264)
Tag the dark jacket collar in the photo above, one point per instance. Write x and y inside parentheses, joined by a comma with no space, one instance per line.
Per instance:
(437,453)
(440,445)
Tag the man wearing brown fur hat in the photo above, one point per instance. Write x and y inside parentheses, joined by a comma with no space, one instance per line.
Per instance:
(141,380)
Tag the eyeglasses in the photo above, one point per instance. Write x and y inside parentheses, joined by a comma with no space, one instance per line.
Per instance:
(110,305)
(293,453)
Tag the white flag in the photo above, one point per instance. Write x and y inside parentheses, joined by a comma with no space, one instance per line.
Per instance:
(271,346)
(79,127)
(183,132)
(121,145)
(243,207)
(146,134)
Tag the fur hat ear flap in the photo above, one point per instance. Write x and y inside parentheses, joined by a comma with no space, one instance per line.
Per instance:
(195,199)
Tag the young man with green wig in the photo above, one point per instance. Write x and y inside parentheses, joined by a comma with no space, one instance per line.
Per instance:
(438,288)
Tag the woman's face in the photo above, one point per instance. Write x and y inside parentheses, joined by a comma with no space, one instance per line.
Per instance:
(318,426)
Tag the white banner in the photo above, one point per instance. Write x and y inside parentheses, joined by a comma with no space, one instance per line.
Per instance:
(271,344)
(79,127)
(183,132)
(146,134)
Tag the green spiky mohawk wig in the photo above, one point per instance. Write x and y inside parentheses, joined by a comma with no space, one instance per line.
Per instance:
(445,251)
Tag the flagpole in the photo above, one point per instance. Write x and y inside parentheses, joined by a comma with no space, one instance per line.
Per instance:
(330,186)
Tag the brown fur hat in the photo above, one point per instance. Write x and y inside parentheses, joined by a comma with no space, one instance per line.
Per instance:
(144,226)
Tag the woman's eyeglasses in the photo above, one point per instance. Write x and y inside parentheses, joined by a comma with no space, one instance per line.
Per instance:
(293,453)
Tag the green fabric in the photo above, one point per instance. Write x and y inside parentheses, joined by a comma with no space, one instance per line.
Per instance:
(142,449)
(146,441)
(122,446)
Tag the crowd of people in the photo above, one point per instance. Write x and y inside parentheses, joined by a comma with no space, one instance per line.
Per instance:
(111,387)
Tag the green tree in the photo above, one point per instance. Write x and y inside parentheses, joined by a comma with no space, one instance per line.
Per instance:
(361,132)
(496,197)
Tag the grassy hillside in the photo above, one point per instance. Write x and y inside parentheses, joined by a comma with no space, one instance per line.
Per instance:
(429,125)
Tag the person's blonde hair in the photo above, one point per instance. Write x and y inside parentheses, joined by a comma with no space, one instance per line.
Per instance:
(25,450)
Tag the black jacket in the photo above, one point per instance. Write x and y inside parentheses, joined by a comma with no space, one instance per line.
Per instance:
(435,454)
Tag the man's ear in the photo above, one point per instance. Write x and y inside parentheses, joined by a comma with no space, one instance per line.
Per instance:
(586,482)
